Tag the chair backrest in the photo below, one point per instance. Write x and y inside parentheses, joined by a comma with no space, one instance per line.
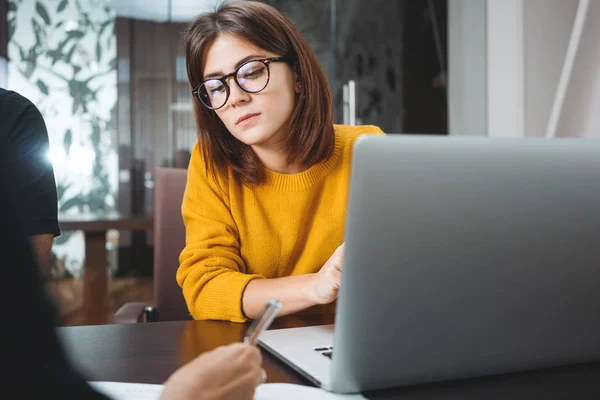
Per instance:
(169,241)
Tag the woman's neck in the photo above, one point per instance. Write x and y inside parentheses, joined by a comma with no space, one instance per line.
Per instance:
(276,161)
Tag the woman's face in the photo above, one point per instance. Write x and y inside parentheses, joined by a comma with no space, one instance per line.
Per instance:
(256,119)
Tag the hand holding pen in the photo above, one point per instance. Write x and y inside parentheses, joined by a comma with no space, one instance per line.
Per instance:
(260,324)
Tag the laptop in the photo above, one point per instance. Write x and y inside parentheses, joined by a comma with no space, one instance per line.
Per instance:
(464,257)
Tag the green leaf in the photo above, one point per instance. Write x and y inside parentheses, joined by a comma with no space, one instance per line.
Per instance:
(61,188)
(67,141)
(39,7)
(76,104)
(76,34)
(22,53)
(59,24)
(96,135)
(63,4)
(64,237)
(40,33)
(12,6)
(63,44)
(42,86)
(54,55)
(30,62)
(27,72)
(104,25)
(98,51)
(86,19)
(96,204)
(70,203)
(69,54)
(12,25)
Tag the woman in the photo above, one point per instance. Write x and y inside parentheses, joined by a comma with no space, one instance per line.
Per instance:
(265,202)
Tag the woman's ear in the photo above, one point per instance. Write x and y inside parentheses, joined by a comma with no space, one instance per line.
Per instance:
(298,85)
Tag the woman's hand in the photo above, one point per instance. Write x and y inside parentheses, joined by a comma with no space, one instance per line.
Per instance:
(296,292)
(325,284)
(228,372)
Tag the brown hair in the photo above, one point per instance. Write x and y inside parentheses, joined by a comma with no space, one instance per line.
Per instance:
(311,137)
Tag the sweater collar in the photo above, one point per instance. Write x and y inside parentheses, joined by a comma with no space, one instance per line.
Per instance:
(303,180)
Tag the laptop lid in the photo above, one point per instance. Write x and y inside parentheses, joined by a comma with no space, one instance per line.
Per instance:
(467,257)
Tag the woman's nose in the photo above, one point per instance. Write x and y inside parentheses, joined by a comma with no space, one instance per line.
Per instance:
(236,94)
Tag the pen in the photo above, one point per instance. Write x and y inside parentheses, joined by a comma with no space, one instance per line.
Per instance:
(262,322)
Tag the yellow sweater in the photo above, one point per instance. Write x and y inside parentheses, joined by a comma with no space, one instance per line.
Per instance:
(289,225)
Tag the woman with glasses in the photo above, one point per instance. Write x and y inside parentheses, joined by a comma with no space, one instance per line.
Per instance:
(265,202)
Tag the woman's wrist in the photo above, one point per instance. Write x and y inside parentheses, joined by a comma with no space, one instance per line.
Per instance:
(309,290)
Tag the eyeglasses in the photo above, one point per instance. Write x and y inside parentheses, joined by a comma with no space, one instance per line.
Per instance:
(252,77)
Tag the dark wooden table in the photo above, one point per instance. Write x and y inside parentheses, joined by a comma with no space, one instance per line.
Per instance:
(149,353)
(95,280)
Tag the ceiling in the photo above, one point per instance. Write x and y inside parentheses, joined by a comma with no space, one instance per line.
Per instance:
(162,10)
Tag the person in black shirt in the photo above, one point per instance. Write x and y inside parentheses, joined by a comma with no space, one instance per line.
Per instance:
(24,155)
(33,365)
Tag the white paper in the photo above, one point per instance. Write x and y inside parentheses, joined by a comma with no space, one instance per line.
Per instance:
(128,391)
(267,391)
(287,391)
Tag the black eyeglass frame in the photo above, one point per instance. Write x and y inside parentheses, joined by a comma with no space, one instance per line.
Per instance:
(223,79)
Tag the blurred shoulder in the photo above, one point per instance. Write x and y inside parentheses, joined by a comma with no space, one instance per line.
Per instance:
(14,103)
(349,134)
(348,131)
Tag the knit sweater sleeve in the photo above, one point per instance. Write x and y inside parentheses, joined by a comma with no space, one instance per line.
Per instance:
(211,271)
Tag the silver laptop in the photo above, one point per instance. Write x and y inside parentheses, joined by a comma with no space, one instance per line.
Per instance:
(464,257)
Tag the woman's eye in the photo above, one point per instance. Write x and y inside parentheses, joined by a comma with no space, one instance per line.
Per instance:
(217,90)
(253,73)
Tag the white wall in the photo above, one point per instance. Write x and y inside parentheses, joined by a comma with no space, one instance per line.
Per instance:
(522,56)
(580,116)
(467,68)
(547,29)
(504,19)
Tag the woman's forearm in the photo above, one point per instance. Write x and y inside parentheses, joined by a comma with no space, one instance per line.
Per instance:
(293,292)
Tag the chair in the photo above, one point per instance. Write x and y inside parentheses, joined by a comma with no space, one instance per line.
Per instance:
(169,241)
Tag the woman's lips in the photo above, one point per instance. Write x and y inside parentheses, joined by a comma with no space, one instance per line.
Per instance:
(247,119)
